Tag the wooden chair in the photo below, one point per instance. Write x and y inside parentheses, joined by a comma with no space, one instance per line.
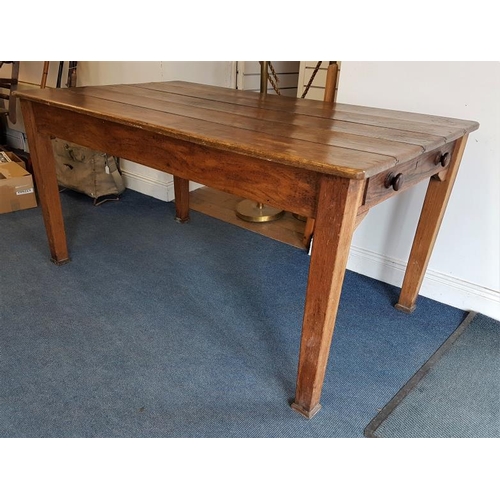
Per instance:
(7,87)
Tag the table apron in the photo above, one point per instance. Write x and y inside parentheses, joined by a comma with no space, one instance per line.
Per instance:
(412,172)
(272,183)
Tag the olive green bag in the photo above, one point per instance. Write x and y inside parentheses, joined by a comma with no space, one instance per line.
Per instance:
(87,171)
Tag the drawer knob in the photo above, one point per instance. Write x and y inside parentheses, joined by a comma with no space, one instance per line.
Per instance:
(394,181)
(443,159)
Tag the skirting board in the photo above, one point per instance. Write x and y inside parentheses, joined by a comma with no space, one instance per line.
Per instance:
(152,187)
(437,286)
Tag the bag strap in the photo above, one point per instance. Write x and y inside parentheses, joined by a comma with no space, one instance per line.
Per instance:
(113,170)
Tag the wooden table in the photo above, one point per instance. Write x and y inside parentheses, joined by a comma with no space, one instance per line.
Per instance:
(330,162)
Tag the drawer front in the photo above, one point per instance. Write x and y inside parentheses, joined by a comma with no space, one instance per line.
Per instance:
(401,177)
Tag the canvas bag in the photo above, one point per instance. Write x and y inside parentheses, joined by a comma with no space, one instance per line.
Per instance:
(82,169)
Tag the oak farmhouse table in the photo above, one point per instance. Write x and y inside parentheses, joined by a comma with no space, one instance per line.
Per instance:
(329,162)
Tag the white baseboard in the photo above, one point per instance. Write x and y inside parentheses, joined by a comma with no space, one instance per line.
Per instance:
(151,187)
(161,190)
(438,286)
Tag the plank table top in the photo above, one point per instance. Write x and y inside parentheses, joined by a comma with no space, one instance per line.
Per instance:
(341,139)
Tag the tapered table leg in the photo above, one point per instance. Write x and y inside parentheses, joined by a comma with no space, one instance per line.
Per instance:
(44,169)
(436,200)
(338,203)
(308,232)
(181,190)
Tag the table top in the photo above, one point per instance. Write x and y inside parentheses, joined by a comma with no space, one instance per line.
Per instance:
(341,139)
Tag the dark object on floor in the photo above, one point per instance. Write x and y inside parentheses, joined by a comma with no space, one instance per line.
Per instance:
(455,394)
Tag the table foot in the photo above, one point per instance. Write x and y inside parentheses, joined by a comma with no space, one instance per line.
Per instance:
(306,413)
(337,207)
(405,309)
(60,262)
(181,193)
(433,209)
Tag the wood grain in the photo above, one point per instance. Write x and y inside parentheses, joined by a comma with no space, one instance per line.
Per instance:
(400,120)
(338,203)
(413,172)
(294,104)
(268,182)
(331,82)
(328,97)
(293,152)
(255,109)
(273,123)
(436,200)
(46,182)
(181,193)
(349,141)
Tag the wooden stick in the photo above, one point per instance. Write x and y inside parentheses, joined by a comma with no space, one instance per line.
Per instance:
(436,200)
(44,169)
(45,72)
(181,191)
(338,203)
(331,82)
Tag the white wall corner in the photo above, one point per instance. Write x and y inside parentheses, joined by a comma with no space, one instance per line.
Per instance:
(438,286)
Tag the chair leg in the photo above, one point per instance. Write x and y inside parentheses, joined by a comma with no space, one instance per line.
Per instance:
(13,88)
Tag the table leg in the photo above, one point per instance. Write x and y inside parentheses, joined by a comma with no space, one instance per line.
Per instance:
(181,190)
(308,232)
(338,203)
(44,170)
(436,200)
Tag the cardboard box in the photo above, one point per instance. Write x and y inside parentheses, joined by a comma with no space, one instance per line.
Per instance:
(16,184)
(8,156)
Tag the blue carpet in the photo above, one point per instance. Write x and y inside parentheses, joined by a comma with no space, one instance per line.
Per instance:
(157,329)
(459,397)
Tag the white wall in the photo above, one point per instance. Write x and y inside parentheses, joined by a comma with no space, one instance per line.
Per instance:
(465,267)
